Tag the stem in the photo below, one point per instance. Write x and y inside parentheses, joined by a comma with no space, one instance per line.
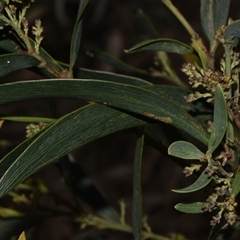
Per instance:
(180,17)
(100,223)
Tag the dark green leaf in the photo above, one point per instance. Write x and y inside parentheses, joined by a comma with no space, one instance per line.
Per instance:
(195,207)
(185,150)
(137,190)
(8,45)
(108,76)
(202,181)
(117,63)
(14,61)
(220,116)
(236,185)
(214,14)
(13,227)
(63,136)
(123,96)
(232,30)
(142,25)
(162,44)
(227,231)
(77,33)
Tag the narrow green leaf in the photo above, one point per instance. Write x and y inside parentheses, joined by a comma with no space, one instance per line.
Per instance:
(8,45)
(108,76)
(117,63)
(27,119)
(63,136)
(236,185)
(214,14)
(162,44)
(195,207)
(220,116)
(137,190)
(122,96)
(232,30)
(142,25)
(202,181)
(14,61)
(77,33)
(185,150)
(227,231)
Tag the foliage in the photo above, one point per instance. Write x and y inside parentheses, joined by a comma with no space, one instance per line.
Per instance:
(207,115)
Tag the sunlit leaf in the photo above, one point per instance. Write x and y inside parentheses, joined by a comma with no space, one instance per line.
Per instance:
(202,181)
(162,44)
(195,207)
(185,150)
(219,120)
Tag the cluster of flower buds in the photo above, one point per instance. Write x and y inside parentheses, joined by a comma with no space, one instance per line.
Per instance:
(33,128)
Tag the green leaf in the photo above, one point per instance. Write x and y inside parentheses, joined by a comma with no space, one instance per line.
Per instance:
(202,181)
(63,136)
(142,25)
(162,44)
(8,45)
(232,30)
(12,227)
(214,14)
(14,61)
(117,63)
(185,150)
(220,116)
(123,96)
(77,33)
(27,119)
(108,76)
(137,189)
(195,207)
(236,185)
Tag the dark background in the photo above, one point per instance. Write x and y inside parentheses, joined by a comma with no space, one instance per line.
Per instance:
(109,161)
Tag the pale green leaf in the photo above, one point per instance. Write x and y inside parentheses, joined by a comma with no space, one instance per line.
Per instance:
(202,181)
(185,150)
(195,207)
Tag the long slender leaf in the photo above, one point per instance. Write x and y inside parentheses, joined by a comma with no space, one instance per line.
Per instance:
(63,136)
(123,96)
(117,63)
(202,181)
(219,125)
(236,185)
(76,35)
(137,190)
(162,44)
(14,61)
(214,13)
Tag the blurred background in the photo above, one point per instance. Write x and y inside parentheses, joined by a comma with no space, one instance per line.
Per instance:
(108,162)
